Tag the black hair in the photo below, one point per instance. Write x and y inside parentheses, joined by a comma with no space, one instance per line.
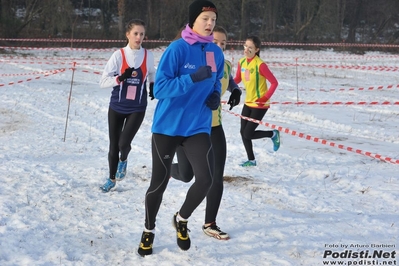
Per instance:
(257,42)
(220,29)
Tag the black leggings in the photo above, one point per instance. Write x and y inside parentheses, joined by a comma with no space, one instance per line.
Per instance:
(122,129)
(184,172)
(248,128)
(199,152)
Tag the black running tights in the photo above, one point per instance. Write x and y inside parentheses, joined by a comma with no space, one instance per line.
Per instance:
(122,129)
(199,152)
(248,129)
(184,172)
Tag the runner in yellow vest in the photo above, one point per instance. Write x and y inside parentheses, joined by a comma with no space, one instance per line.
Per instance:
(254,74)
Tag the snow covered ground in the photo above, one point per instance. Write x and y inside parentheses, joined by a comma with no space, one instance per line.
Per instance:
(307,204)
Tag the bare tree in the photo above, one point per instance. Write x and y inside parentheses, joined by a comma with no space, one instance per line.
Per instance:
(272,20)
(32,11)
(269,24)
(106,18)
(74,18)
(121,17)
(381,15)
(173,15)
(7,18)
(305,16)
(340,15)
(244,19)
(355,9)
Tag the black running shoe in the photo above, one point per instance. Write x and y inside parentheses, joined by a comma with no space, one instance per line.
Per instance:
(145,248)
(183,240)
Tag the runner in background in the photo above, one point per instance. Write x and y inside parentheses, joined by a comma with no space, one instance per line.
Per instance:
(184,171)
(128,71)
(254,73)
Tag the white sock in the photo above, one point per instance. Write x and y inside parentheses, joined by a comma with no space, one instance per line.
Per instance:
(274,134)
(149,231)
(179,218)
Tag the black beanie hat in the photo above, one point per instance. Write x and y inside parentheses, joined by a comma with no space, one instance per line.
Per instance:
(197,7)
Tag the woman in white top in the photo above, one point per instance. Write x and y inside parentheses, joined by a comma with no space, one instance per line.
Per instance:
(127,71)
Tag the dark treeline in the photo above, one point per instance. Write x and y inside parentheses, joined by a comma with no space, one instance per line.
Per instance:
(303,21)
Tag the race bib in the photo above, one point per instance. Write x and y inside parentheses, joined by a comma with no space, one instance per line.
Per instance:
(131,92)
(210,61)
(246,74)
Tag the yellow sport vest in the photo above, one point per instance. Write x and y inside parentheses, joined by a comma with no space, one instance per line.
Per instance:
(217,114)
(254,83)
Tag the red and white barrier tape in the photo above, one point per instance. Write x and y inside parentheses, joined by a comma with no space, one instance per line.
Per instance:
(334,103)
(16,48)
(28,74)
(318,140)
(374,68)
(267,57)
(344,89)
(38,77)
(57,49)
(50,40)
(38,62)
(326,103)
(7,58)
(322,57)
(94,72)
(340,44)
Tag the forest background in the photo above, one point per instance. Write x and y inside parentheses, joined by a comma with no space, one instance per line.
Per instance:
(296,21)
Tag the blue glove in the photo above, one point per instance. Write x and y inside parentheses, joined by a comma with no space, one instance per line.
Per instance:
(213,100)
(202,73)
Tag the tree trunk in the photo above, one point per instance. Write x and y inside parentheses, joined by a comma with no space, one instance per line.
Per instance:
(104,20)
(153,13)
(6,18)
(354,22)
(121,19)
(265,28)
(273,20)
(341,6)
(244,18)
(297,16)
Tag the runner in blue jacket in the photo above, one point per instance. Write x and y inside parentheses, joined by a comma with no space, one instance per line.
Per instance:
(187,86)
(182,108)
